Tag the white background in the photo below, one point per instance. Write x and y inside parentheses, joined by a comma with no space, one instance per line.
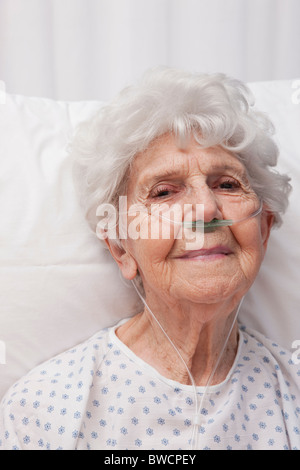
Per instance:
(89,49)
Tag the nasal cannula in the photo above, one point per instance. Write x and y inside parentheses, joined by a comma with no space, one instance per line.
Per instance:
(199,406)
(205,227)
(214,223)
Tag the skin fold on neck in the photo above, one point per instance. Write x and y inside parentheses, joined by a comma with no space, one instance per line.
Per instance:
(198,342)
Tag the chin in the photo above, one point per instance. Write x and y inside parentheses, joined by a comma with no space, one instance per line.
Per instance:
(212,291)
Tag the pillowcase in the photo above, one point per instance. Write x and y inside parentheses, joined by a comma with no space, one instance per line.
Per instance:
(59,284)
(272,304)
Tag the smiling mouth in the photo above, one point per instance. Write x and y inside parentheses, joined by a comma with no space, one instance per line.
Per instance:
(217,252)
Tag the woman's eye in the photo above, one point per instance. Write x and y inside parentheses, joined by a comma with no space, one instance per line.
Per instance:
(229,184)
(161,192)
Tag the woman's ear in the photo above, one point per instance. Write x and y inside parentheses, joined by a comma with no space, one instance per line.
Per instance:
(123,258)
(267,221)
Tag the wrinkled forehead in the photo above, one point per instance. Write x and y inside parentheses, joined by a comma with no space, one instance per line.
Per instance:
(164,159)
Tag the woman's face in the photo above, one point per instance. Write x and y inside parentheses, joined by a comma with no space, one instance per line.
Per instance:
(227,260)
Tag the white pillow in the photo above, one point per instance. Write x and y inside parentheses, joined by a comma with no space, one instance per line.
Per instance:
(58,284)
(272,304)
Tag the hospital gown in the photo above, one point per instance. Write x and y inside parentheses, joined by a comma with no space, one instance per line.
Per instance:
(100,395)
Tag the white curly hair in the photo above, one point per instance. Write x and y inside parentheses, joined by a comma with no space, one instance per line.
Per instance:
(213,108)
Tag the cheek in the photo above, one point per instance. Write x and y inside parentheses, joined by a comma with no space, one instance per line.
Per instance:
(250,247)
(150,240)
(150,256)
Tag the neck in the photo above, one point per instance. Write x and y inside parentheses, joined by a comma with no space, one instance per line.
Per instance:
(198,332)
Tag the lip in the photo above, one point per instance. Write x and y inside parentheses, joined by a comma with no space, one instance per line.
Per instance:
(216,252)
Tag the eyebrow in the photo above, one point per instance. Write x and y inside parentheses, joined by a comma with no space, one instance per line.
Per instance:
(150,178)
(153,178)
(236,169)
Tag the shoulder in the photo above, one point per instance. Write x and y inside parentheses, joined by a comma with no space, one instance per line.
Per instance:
(67,366)
(264,345)
(269,351)
(44,398)
(269,359)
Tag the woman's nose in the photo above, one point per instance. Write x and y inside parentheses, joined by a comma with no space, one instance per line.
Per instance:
(211,205)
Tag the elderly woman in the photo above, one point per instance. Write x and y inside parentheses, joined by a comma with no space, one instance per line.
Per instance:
(182,373)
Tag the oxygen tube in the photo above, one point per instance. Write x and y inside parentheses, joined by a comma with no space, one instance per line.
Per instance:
(199,402)
(214,223)
(198,406)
